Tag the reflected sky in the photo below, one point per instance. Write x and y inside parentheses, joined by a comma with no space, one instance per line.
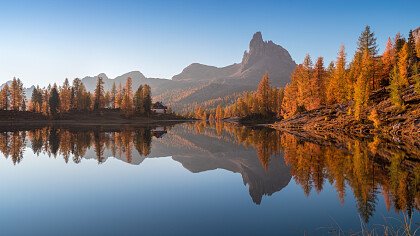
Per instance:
(195,180)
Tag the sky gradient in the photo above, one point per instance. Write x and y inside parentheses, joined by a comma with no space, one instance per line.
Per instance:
(47,41)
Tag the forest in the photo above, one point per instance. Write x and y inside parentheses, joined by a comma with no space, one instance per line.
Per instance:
(55,100)
(314,86)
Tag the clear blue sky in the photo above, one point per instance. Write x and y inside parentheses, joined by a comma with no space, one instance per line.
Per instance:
(47,41)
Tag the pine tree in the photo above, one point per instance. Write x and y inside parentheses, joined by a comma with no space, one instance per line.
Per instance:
(399,42)
(138,100)
(412,55)
(367,41)
(147,95)
(54,101)
(99,95)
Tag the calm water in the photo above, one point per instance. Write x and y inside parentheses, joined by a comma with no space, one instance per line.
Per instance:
(198,179)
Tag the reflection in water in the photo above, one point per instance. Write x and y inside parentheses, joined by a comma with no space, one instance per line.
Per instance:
(265,158)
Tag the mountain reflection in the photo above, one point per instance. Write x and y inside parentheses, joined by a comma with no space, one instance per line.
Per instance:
(266,159)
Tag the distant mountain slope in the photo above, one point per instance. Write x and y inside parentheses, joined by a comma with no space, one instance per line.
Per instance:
(209,86)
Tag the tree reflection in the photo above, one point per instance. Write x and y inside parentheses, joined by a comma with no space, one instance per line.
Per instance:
(361,168)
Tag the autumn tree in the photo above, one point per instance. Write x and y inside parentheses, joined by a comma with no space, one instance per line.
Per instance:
(361,89)
(318,83)
(147,102)
(65,97)
(263,93)
(113,95)
(4,97)
(36,100)
(219,113)
(403,63)
(396,83)
(127,100)
(388,60)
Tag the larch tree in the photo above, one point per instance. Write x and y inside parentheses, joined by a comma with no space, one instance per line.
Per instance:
(318,84)
(395,88)
(113,95)
(219,113)
(340,84)
(127,100)
(361,89)
(65,96)
(4,97)
(403,60)
(263,93)
(388,59)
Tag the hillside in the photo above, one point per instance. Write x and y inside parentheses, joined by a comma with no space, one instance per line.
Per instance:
(400,128)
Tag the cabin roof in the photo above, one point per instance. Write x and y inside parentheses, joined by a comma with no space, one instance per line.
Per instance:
(159,105)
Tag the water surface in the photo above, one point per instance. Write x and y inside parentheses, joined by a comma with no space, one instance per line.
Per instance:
(198,179)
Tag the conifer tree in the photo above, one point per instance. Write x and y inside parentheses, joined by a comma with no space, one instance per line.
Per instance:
(54,101)
(263,92)
(65,96)
(318,85)
(4,97)
(395,88)
(99,94)
(219,113)
(113,95)
(147,95)
(367,41)
(403,58)
(361,90)
(127,100)
(412,55)
(388,59)
(138,100)
(340,85)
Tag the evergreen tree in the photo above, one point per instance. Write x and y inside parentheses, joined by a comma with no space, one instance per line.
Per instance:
(54,101)
(147,95)
(99,95)
(138,100)
(367,41)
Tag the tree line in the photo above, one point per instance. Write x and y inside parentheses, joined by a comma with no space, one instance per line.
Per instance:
(315,85)
(54,99)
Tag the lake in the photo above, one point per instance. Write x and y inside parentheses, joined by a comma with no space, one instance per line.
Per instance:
(199,179)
